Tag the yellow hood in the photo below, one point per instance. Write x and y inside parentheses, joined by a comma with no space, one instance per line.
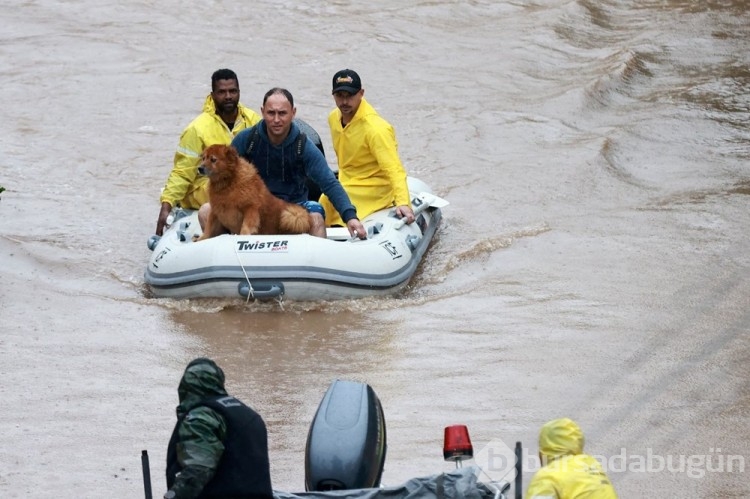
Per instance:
(209,106)
(560,437)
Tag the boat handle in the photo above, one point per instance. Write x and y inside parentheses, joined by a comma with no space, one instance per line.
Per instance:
(272,291)
(153,241)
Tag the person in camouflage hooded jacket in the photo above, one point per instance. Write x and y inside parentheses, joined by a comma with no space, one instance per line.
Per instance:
(219,446)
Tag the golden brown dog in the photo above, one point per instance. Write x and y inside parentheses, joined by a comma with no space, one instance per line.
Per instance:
(240,201)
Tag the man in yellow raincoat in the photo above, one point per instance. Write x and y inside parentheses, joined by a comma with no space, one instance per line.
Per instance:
(567,473)
(369,166)
(223,117)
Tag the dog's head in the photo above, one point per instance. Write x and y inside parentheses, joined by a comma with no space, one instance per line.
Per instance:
(218,159)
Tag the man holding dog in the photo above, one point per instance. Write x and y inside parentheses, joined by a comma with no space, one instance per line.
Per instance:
(369,166)
(223,117)
(272,146)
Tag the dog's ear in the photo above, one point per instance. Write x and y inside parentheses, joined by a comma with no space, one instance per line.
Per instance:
(232,153)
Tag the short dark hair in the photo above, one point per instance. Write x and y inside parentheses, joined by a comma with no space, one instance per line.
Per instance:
(278,90)
(223,74)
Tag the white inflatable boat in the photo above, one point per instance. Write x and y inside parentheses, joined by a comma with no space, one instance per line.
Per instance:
(297,267)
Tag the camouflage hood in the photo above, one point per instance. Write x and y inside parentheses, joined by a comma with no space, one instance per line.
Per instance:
(202,378)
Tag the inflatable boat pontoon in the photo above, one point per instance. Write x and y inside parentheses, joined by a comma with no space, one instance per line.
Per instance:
(297,267)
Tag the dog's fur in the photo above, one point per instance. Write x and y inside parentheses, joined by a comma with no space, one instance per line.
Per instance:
(240,201)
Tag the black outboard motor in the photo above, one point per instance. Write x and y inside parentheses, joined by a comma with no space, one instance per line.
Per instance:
(346,442)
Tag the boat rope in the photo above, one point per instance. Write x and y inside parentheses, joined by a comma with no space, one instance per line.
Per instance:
(250,290)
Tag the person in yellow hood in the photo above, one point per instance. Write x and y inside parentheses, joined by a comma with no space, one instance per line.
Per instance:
(566,472)
(369,166)
(223,117)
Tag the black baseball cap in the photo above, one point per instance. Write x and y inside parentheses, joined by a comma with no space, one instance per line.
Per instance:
(346,80)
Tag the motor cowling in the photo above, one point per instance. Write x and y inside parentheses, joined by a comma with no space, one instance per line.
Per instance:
(346,444)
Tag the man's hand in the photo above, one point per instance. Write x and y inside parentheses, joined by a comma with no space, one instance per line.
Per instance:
(405,211)
(356,229)
(166,208)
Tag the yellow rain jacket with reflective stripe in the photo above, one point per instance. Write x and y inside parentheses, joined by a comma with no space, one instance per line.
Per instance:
(369,166)
(571,477)
(184,186)
(568,474)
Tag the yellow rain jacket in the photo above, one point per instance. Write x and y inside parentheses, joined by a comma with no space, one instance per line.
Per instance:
(568,473)
(369,167)
(184,186)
